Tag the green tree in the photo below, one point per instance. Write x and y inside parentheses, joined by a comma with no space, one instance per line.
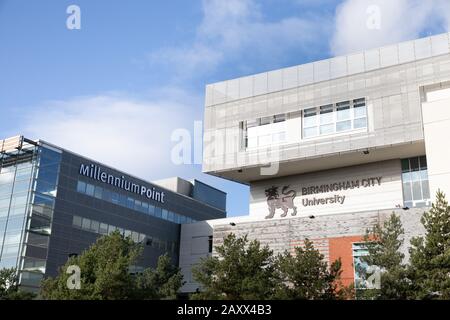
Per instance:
(9,286)
(306,275)
(430,255)
(383,244)
(162,282)
(241,270)
(105,274)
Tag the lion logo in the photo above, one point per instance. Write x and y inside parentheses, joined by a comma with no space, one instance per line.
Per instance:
(283,202)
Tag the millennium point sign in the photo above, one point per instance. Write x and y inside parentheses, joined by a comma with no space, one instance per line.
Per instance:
(285,200)
(95,172)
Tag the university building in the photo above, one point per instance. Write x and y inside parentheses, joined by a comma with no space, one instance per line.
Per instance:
(55,204)
(329,149)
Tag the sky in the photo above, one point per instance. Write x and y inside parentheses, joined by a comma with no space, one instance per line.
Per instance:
(135,72)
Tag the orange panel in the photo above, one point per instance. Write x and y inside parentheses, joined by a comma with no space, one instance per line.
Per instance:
(341,247)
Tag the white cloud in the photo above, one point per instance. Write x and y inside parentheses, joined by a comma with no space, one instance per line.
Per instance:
(129,134)
(399,20)
(238,30)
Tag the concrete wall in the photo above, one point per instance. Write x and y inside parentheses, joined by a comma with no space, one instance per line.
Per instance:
(436,124)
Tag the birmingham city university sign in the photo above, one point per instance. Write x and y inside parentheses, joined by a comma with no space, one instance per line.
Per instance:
(285,200)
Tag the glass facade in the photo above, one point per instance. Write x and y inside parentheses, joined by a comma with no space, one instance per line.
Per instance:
(15,183)
(103,229)
(416,190)
(28,186)
(131,203)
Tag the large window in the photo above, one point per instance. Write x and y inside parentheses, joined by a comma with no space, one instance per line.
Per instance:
(335,118)
(285,128)
(416,190)
(266,131)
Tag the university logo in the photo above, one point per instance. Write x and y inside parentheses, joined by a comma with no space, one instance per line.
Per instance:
(285,201)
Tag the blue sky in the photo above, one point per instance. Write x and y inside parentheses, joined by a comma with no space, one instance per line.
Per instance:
(136,71)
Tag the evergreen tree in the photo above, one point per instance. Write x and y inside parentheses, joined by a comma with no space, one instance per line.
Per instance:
(241,270)
(430,255)
(383,243)
(162,282)
(306,275)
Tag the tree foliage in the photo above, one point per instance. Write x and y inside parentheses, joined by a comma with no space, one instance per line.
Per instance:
(162,282)
(306,275)
(105,274)
(430,255)
(383,243)
(9,286)
(241,270)
(427,276)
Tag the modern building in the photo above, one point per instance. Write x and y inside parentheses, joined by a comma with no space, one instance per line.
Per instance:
(328,149)
(55,203)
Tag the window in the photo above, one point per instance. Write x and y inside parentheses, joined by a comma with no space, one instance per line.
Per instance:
(309,123)
(326,119)
(90,189)
(137,205)
(130,203)
(158,212)
(114,197)
(81,187)
(86,224)
(210,244)
(135,236)
(144,207)
(335,118)
(266,131)
(359,113)
(416,190)
(95,226)
(98,192)
(279,118)
(343,116)
(77,221)
(103,228)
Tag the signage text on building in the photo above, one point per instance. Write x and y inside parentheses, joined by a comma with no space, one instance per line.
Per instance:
(285,200)
(95,172)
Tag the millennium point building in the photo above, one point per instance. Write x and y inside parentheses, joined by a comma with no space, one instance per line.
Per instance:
(55,203)
(329,149)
